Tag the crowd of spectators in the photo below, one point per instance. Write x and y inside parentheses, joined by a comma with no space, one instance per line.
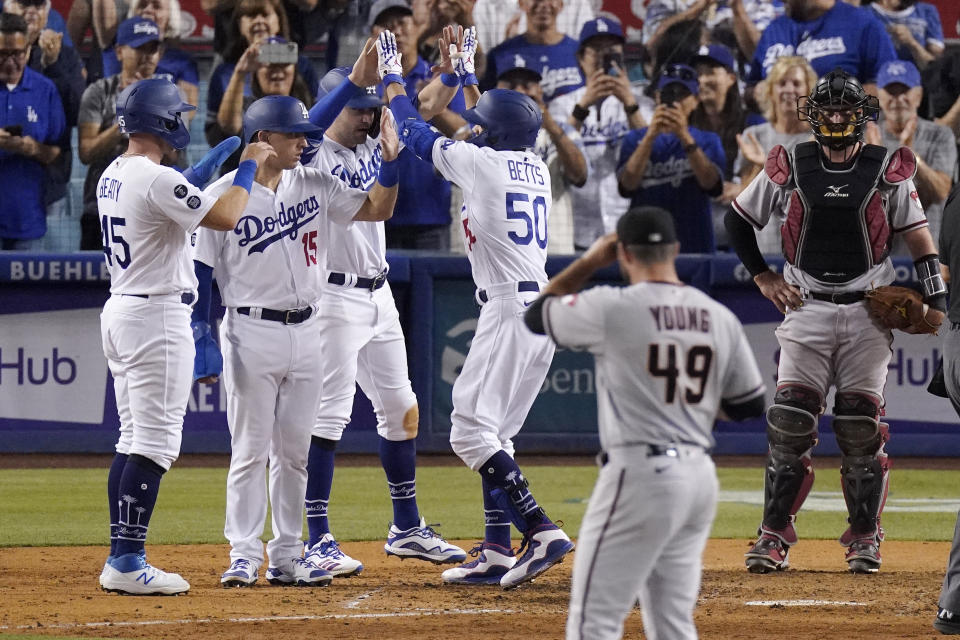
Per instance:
(679,114)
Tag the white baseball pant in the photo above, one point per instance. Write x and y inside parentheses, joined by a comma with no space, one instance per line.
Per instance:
(500,379)
(272,375)
(362,343)
(149,348)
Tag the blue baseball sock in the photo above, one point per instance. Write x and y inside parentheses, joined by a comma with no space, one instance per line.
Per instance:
(399,460)
(113,496)
(496,521)
(503,474)
(320,462)
(139,485)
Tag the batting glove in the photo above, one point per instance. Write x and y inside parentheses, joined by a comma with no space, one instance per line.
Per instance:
(199,174)
(207,360)
(388,58)
(463,59)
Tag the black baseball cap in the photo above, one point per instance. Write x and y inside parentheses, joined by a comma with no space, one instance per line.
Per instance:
(646,226)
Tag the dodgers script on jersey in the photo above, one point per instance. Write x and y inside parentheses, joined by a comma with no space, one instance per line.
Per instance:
(289,226)
(695,349)
(147,213)
(757,202)
(848,37)
(359,248)
(506,202)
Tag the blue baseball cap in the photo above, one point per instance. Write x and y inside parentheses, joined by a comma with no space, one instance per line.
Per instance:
(679,74)
(136,32)
(716,54)
(898,71)
(600,27)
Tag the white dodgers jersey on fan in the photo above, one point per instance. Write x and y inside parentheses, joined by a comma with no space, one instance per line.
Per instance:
(147,213)
(666,355)
(506,203)
(276,256)
(360,248)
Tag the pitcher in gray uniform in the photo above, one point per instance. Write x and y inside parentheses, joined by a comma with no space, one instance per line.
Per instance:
(948,613)
(668,359)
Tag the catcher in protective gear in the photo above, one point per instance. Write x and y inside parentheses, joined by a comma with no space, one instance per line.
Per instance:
(904,309)
(842,201)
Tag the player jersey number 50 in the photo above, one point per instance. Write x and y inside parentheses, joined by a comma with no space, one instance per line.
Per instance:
(516,205)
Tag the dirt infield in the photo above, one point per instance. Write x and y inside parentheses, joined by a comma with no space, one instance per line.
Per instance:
(54,591)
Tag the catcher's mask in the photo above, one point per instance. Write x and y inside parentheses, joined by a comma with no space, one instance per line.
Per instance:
(838,110)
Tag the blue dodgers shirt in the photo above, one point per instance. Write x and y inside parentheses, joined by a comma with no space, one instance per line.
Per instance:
(35,105)
(922,19)
(175,65)
(845,36)
(556,64)
(423,196)
(669,183)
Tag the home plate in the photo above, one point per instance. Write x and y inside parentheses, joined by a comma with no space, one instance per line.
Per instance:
(803,603)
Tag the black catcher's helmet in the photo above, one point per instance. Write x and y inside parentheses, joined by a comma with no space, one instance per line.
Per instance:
(838,91)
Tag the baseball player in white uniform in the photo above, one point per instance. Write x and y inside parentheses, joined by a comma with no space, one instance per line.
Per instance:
(361,341)
(271,269)
(506,191)
(842,202)
(148,212)
(668,359)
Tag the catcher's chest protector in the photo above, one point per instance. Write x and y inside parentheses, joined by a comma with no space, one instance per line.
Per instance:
(836,226)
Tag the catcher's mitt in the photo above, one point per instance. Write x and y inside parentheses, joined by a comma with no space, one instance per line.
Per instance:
(903,308)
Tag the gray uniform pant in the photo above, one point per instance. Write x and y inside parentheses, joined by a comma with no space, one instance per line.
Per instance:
(642,539)
(950,592)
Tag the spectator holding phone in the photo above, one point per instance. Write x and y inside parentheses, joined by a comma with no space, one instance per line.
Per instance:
(253,22)
(31,128)
(99,136)
(271,66)
(50,55)
(175,64)
(602,112)
(673,165)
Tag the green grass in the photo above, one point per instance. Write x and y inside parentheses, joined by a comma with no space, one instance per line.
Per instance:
(40,507)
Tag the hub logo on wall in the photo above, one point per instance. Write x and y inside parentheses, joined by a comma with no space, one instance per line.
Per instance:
(52,367)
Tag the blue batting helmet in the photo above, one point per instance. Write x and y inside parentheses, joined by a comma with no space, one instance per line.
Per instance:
(510,120)
(277,113)
(369,99)
(154,106)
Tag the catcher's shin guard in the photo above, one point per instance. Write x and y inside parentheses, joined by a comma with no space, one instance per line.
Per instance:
(865,481)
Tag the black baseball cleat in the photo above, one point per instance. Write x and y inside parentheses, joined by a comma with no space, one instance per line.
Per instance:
(947,622)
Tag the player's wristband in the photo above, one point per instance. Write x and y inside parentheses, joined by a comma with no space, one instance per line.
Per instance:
(450,79)
(580,113)
(470,80)
(389,173)
(392,78)
(632,109)
(245,174)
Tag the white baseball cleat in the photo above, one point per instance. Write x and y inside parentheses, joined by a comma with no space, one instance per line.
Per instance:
(545,546)
(424,543)
(492,562)
(242,573)
(298,572)
(131,574)
(327,555)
